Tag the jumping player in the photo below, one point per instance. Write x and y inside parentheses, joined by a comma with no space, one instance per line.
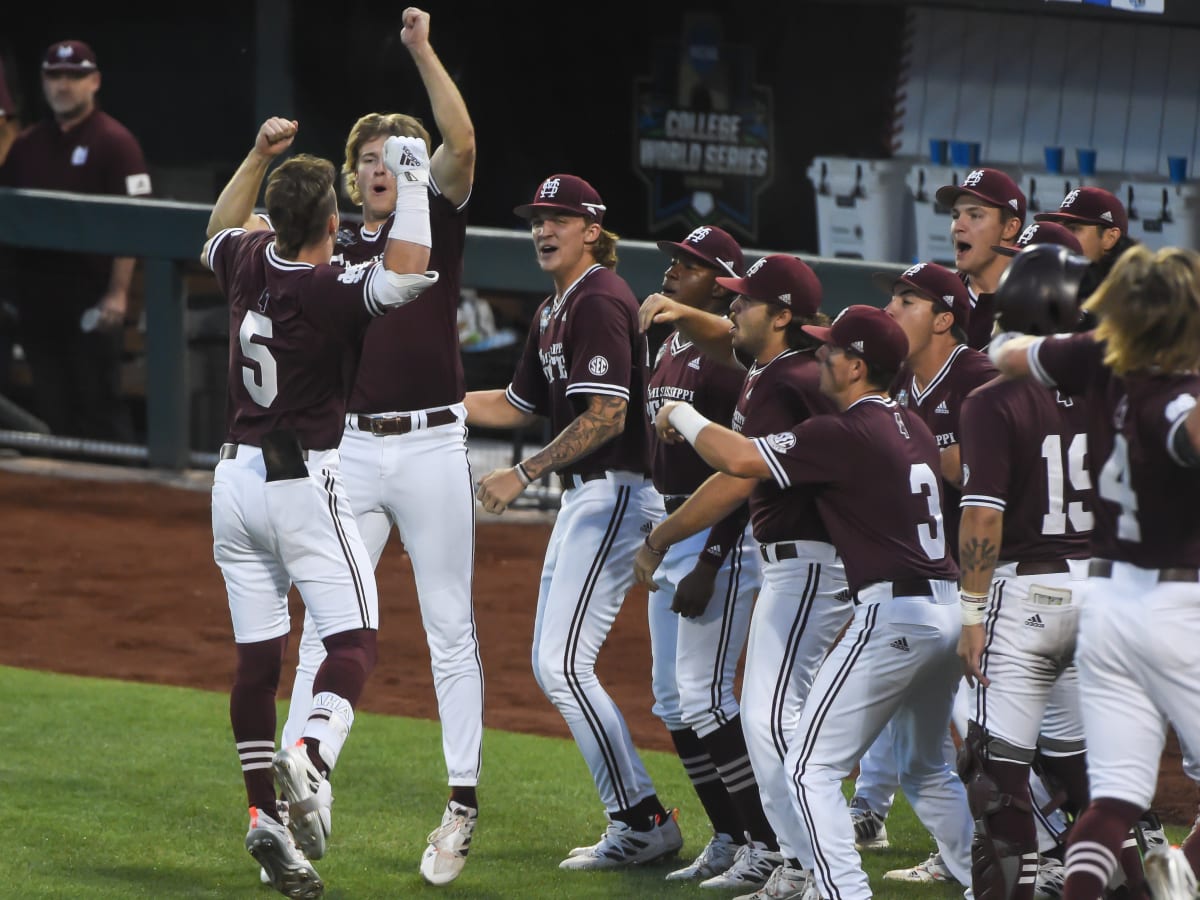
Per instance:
(1141,623)
(280,513)
(584,361)
(878,469)
(404,451)
(803,603)
(700,614)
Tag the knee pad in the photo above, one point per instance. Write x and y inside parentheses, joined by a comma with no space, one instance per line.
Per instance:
(998,863)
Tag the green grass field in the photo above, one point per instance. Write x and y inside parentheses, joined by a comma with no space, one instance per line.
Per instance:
(117,790)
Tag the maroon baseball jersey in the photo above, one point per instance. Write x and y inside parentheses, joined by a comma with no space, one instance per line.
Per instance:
(411,358)
(295,330)
(583,343)
(684,373)
(878,472)
(97,156)
(1024,453)
(1147,501)
(939,405)
(775,397)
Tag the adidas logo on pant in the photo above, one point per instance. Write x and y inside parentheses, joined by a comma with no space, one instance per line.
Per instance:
(1035,621)
(900,644)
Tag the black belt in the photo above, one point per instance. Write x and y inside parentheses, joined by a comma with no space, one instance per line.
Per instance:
(1103,568)
(1043,567)
(381,425)
(568,481)
(230,451)
(904,587)
(673,501)
(783,550)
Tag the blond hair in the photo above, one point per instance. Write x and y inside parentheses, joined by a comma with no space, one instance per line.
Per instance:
(1149,311)
(369,127)
(604,250)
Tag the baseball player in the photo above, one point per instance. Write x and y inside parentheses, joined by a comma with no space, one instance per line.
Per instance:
(404,451)
(1099,222)
(1141,622)
(280,512)
(700,614)
(1023,545)
(583,362)
(986,209)
(803,603)
(878,472)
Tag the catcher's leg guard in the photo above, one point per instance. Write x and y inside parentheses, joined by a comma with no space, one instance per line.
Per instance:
(1004,857)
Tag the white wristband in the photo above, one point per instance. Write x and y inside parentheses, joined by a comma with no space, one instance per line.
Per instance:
(973,611)
(412,213)
(995,348)
(687,422)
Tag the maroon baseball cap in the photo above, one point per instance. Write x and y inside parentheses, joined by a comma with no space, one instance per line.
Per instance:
(712,245)
(1090,206)
(779,278)
(1041,233)
(868,331)
(567,193)
(934,282)
(991,186)
(69,56)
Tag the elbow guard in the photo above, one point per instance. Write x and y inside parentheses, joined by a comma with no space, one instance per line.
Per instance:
(395,289)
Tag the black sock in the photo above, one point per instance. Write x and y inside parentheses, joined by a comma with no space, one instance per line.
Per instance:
(464,795)
(707,783)
(727,748)
(644,816)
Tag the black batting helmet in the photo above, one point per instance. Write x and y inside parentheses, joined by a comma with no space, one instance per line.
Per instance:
(1039,291)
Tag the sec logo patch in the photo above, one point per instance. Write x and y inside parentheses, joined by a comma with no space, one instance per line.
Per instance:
(598,365)
(782,442)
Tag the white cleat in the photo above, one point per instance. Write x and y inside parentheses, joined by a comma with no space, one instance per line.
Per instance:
(717,856)
(309,799)
(1169,875)
(444,858)
(621,846)
(930,871)
(786,883)
(751,869)
(870,833)
(283,865)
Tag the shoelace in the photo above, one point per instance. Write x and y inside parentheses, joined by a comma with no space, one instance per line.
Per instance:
(442,831)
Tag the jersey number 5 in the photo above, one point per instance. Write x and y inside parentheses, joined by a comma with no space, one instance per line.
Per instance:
(261,380)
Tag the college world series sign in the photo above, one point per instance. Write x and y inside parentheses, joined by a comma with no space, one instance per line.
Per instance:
(703,132)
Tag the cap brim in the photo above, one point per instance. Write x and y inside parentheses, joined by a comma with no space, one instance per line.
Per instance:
(737,285)
(885,281)
(526,210)
(672,247)
(1061,217)
(822,333)
(69,68)
(1005,251)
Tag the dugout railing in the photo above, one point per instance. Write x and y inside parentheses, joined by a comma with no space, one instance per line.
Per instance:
(167,237)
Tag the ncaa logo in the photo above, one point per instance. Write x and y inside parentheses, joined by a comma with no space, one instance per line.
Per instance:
(782,442)
(1069,199)
(549,188)
(973,179)
(598,365)
(698,235)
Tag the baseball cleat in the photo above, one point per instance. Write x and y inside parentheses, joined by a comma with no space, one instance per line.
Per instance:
(751,869)
(1169,875)
(285,867)
(717,856)
(621,846)
(309,799)
(1152,832)
(786,883)
(449,843)
(870,833)
(927,872)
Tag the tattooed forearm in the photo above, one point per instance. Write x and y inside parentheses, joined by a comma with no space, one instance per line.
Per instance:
(979,555)
(602,421)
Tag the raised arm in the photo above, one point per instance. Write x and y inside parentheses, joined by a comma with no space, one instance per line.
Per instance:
(708,331)
(453,163)
(235,206)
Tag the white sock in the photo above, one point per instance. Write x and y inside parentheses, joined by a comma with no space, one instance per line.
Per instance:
(329,722)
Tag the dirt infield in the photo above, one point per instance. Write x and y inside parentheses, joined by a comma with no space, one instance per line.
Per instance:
(116,579)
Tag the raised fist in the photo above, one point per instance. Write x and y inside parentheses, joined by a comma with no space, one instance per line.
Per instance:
(405,154)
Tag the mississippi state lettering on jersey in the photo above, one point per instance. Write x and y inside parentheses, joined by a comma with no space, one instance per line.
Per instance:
(878,467)
(1147,508)
(583,343)
(411,357)
(1024,453)
(294,335)
(775,397)
(939,405)
(683,373)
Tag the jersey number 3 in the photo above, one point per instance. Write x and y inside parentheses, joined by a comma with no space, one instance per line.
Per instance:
(922,481)
(261,380)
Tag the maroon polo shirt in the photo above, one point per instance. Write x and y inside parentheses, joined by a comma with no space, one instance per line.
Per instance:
(583,343)
(411,357)
(97,156)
